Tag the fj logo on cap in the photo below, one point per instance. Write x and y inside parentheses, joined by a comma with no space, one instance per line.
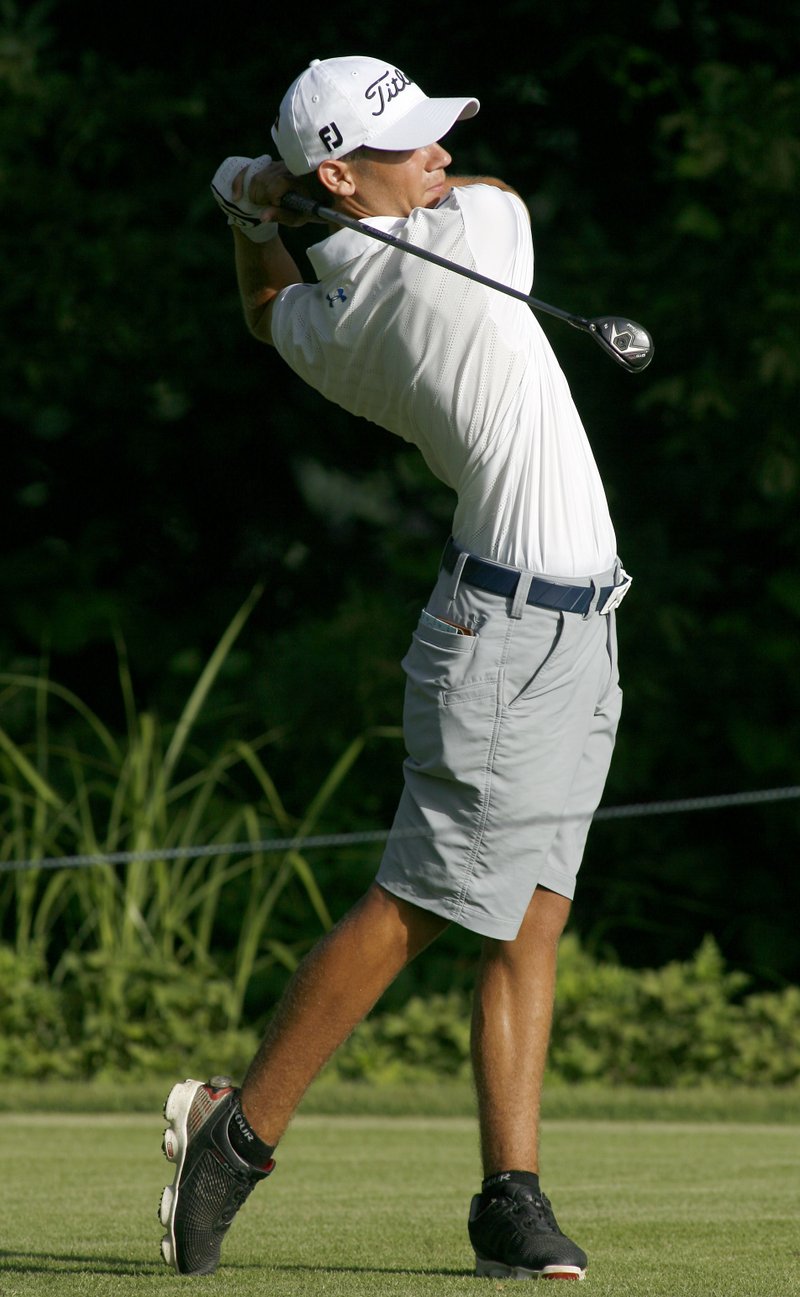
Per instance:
(331,136)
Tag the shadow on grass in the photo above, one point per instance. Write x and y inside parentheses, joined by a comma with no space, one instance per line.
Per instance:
(419,1272)
(55,1263)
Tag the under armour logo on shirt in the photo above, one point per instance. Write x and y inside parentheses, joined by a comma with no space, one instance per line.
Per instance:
(339,296)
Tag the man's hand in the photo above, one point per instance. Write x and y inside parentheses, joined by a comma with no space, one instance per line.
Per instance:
(229,187)
(266,187)
(249,191)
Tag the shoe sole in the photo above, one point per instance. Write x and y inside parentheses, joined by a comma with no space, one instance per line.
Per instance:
(174,1146)
(497,1270)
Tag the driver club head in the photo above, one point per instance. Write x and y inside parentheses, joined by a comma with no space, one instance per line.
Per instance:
(628,342)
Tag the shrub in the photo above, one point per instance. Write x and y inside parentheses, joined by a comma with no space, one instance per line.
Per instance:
(135,1017)
(679,1025)
(425,1039)
(669,1026)
(33,1040)
(768,1038)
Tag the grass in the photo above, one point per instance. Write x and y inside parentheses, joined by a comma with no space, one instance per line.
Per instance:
(70,787)
(377,1205)
(448,1096)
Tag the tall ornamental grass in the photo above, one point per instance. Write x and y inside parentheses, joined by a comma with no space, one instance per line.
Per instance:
(155,949)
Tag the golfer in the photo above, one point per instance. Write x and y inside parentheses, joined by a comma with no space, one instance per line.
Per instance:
(512,694)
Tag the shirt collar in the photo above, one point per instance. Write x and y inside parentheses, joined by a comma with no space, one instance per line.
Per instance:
(345,245)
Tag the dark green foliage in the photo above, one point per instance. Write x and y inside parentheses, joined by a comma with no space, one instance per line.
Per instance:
(110,1017)
(33,1039)
(680,1025)
(425,1038)
(133,1018)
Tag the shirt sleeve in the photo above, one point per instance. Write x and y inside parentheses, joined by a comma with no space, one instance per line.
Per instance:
(498,233)
(294,293)
(292,335)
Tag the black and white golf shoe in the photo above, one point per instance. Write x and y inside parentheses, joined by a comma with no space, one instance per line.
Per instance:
(211,1179)
(516,1236)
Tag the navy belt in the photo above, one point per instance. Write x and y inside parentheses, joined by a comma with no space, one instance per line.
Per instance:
(504,581)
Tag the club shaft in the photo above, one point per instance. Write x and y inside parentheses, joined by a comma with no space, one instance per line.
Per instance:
(298,203)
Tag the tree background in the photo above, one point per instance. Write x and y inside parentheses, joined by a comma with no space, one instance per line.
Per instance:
(159,462)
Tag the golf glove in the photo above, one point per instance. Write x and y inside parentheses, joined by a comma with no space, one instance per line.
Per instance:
(240,211)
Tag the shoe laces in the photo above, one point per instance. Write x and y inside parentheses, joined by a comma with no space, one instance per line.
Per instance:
(532,1210)
(237,1196)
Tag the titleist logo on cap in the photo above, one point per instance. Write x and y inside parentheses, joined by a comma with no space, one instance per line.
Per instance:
(385,88)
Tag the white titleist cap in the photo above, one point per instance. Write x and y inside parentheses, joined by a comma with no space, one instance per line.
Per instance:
(337,105)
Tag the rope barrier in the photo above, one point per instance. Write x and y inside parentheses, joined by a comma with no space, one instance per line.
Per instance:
(678,806)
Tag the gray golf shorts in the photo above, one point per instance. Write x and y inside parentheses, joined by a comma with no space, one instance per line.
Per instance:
(509,734)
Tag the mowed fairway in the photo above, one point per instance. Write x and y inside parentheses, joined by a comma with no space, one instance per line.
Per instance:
(378,1205)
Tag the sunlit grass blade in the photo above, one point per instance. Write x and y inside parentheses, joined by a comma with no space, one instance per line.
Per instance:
(267,785)
(30,774)
(120,937)
(201,690)
(36,684)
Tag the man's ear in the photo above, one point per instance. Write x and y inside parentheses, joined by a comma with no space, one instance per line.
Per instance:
(335,175)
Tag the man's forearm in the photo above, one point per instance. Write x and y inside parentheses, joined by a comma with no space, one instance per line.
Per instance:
(262,270)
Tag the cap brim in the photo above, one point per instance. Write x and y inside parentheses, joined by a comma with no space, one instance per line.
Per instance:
(424,124)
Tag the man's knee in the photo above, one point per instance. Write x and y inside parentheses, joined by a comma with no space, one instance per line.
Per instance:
(398,921)
(542,925)
(547,914)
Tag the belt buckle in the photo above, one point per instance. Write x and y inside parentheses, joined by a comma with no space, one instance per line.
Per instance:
(617,594)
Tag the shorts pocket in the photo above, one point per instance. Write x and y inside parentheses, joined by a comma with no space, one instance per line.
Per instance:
(449,709)
(438,656)
(534,663)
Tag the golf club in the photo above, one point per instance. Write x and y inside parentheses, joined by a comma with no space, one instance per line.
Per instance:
(629,343)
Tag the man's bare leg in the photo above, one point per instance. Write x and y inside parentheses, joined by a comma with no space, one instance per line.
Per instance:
(512,1016)
(511,1223)
(334,987)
